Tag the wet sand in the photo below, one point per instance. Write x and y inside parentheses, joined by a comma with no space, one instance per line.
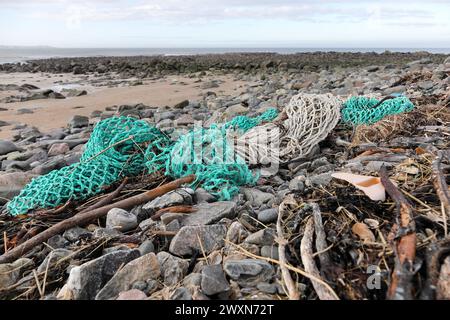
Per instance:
(51,114)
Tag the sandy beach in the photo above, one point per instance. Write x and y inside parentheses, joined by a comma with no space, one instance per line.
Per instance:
(48,114)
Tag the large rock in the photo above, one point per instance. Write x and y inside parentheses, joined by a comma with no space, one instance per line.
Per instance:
(121,220)
(188,239)
(209,213)
(248,272)
(173,269)
(256,197)
(7,147)
(213,280)
(58,148)
(141,269)
(12,183)
(176,197)
(86,280)
(79,122)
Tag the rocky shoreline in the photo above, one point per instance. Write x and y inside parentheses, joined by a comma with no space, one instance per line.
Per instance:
(230,249)
(148,66)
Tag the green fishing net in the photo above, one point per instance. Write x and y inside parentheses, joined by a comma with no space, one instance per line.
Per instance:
(363,110)
(113,151)
(209,154)
(125,146)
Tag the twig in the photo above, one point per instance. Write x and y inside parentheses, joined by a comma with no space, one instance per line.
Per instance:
(441,187)
(306,252)
(110,197)
(293,292)
(174,209)
(5,241)
(321,242)
(83,218)
(405,244)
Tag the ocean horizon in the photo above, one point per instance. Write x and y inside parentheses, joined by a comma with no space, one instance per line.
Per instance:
(12,54)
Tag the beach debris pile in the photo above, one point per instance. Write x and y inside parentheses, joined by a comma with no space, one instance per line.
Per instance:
(357,209)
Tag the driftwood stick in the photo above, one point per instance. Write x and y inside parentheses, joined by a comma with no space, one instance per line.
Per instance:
(321,242)
(291,286)
(83,218)
(106,200)
(306,252)
(401,287)
(441,187)
(174,209)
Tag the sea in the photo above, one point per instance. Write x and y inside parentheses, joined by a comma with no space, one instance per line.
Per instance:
(21,54)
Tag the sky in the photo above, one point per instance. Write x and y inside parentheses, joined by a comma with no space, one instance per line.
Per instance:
(226,23)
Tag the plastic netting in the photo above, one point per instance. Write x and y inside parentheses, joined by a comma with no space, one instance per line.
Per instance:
(210,154)
(114,150)
(125,146)
(310,118)
(364,110)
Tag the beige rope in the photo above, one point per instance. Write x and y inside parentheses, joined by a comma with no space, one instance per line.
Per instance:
(310,118)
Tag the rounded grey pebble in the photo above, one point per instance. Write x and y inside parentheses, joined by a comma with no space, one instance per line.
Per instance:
(146,247)
(270,252)
(268,215)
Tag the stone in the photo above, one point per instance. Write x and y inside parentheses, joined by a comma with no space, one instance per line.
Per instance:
(256,197)
(146,247)
(86,280)
(106,233)
(213,280)
(209,85)
(57,241)
(24,111)
(11,272)
(76,233)
(7,147)
(78,122)
(270,251)
(248,272)
(236,232)
(53,257)
(201,195)
(184,120)
(187,239)
(121,220)
(296,184)
(58,148)
(426,85)
(173,269)
(173,198)
(12,183)
(193,279)
(132,294)
(322,179)
(181,104)
(174,225)
(268,215)
(167,115)
(209,213)
(181,293)
(235,110)
(141,269)
(262,237)
(4,123)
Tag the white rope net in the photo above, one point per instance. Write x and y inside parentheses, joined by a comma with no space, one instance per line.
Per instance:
(310,118)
